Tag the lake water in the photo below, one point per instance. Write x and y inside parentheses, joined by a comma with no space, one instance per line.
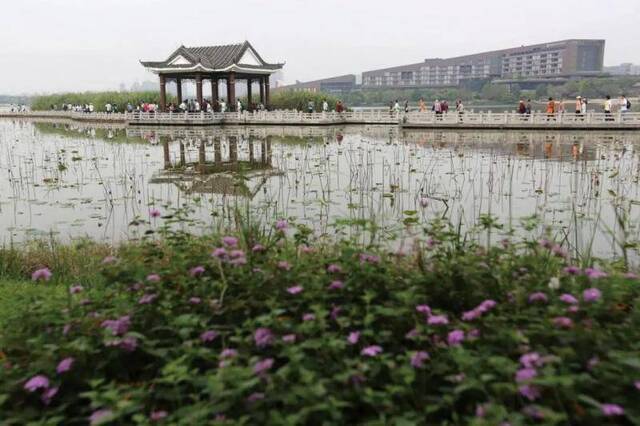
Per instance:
(75,180)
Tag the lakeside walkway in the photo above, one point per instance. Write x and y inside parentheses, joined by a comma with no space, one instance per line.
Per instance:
(411,120)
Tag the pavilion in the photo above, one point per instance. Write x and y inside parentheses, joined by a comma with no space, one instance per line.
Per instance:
(229,62)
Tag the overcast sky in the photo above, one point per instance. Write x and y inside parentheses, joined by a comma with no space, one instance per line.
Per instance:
(62,45)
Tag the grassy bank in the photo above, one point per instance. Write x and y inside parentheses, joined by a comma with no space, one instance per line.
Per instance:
(98,99)
(266,326)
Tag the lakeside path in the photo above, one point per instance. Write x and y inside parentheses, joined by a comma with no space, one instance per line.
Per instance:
(482,120)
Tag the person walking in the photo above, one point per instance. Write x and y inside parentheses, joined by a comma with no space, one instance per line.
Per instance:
(522,108)
(406,106)
(551,109)
(437,108)
(325,106)
(624,104)
(579,105)
(421,105)
(607,109)
(396,107)
(529,109)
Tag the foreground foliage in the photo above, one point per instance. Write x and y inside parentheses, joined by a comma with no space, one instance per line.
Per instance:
(98,99)
(263,328)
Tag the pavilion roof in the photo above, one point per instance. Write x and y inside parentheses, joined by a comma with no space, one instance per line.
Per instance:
(213,58)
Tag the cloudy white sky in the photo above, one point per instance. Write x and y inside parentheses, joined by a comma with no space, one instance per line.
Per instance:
(61,45)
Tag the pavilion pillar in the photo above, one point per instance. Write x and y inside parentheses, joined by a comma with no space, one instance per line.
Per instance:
(214,90)
(231,91)
(266,91)
(249,82)
(199,89)
(163,93)
(261,81)
(179,90)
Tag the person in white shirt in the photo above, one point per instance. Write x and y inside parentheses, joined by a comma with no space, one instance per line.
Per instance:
(197,106)
(607,109)
(624,104)
(91,108)
(325,106)
(239,106)
(223,106)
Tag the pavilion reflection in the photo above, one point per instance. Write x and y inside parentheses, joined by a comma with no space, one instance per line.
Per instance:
(229,165)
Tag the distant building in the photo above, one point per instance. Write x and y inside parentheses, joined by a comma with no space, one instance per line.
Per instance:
(556,61)
(623,69)
(343,83)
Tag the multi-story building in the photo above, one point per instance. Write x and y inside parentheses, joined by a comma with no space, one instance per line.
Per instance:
(343,83)
(547,61)
(626,68)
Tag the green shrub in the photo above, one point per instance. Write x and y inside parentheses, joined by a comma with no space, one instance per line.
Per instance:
(260,328)
(98,99)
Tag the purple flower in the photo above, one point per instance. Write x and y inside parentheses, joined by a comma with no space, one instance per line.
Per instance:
(282,224)
(306,249)
(154,278)
(531,360)
(563,322)
(369,258)
(43,274)
(530,392)
(296,289)
(195,300)
(238,261)
(418,359)
(308,317)
(153,212)
(234,254)
(637,384)
(353,338)
(568,299)
(289,338)
(610,410)
(263,337)
(156,416)
(412,334)
(100,416)
(559,251)
(594,273)
(371,351)
(424,202)
(335,311)
(284,265)
(230,241)
(438,320)
(37,382)
(455,337)
(424,309)
(256,396)
(533,412)
(538,297)
(118,327)
(48,395)
(64,365)
(209,336)
(572,270)
(631,276)
(477,312)
(219,252)
(334,269)
(196,271)
(525,374)
(109,259)
(591,295)
(128,343)
(75,289)
(147,299)
(336,285)
(228,353)
(258,248)
(262,366)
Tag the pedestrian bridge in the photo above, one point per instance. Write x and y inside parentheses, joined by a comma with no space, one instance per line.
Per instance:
(415,119)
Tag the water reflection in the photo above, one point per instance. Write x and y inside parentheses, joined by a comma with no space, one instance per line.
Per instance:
(78,179)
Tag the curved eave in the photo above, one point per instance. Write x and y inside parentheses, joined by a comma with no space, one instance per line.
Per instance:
(202,68)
